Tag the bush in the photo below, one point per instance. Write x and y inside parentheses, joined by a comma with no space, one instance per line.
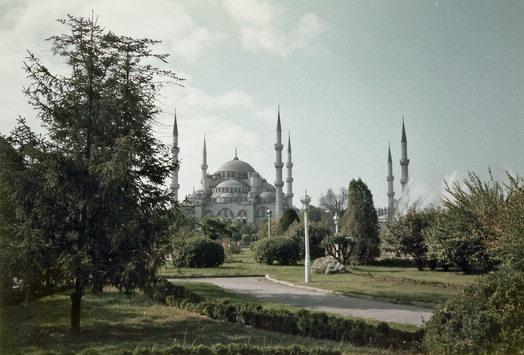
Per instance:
(280,249)
(288,217)
(485,319)
(317,232)
(202,252)
(221,349)
(327,265)
(303,322)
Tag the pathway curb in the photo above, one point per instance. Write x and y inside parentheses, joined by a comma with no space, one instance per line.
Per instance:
(308,288)
(366,297)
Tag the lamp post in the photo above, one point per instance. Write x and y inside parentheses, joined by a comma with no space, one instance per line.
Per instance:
(336,218)
(268,214)
(305,202)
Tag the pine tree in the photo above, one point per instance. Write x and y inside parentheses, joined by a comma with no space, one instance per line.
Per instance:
(360,221)
(90,204)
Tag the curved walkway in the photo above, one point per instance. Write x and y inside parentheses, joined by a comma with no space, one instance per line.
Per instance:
(265,290)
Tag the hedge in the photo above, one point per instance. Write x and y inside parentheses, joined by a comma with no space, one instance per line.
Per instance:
(218,349)
(487,318)
(283,250)
(305,323)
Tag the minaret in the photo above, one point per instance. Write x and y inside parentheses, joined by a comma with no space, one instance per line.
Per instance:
(289,179)
(404,162)
(204,165)
(391,193)
(174,150)
(279,183)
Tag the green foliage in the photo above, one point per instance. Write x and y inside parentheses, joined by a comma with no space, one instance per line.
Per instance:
(317,232)
(485,319)
(340,247)
(288,217)
(280,249)
(314,214)
(318,325)
(510,245)
(361,222)
(467,230)
(262,229)
(201,252)
(407,234)
(216,228)
(90,205)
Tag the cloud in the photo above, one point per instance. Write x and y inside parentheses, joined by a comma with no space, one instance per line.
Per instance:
(260,21)
(252,12)
(267,114)
(192,98)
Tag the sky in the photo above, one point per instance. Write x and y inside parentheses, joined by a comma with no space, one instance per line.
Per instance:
(344,73)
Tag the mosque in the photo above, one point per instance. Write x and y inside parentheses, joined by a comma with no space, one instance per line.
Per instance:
(236,191)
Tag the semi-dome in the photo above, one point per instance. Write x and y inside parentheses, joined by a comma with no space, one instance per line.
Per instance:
(230,183)
(267,195)
(236,165)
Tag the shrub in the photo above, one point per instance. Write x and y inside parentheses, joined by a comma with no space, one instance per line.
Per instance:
(317,232)
(288,217)
(202,252)
(280,249)
(303,322)
(327,265)
(485,319)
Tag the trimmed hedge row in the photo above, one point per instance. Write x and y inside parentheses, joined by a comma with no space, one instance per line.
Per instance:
(317,325)
(219,349)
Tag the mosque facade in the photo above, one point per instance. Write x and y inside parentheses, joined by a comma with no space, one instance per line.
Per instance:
(236,191)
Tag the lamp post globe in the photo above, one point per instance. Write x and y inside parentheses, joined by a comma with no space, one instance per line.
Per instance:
(305,203)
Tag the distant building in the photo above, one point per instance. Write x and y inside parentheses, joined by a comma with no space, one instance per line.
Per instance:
(236,191)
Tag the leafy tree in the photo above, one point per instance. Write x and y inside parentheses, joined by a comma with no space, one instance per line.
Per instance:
(288,217)
(180,231)
(486,318)
(333,202)
(90,205)
(317,232)
(471,223)
(509,247)
(361,222)
(314,214)
(216,228)
(340,247)
(407,234)
(262,228)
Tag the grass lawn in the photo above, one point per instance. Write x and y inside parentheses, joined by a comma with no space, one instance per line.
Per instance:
(113,322)
(401,283)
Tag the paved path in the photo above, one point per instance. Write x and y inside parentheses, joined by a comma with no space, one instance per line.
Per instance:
(356,307)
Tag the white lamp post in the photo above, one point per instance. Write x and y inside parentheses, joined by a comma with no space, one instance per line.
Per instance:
(268,213)
(337,220)
(305,202)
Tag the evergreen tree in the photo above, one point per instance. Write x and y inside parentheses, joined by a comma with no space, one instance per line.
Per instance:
(288,217)
(90,206)
(360,221)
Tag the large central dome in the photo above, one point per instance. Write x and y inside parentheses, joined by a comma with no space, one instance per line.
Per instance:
(236,165)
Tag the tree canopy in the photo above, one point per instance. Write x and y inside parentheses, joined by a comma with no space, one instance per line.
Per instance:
(85,203)
(360,221)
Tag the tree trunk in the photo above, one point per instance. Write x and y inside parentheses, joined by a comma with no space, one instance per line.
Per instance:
(76,307)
